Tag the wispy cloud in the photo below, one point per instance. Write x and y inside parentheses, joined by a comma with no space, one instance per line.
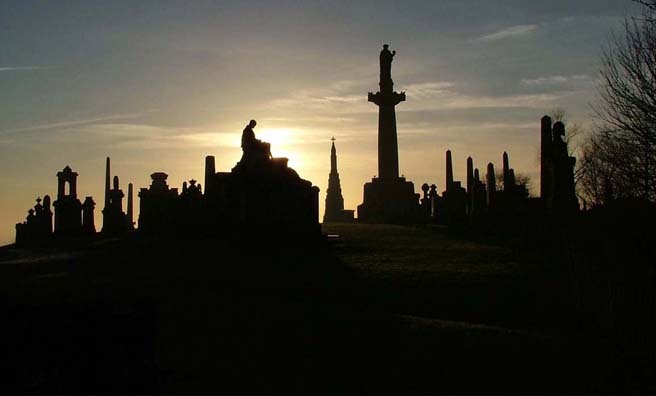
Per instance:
(69,123)
(340,97)
(317,100)
(23,68)
(422,96)
(445,95)
(458,101)
(555,80)
(512,31)
(427,89)
(152,137)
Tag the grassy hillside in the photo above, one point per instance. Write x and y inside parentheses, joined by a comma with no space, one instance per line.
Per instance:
(377,309)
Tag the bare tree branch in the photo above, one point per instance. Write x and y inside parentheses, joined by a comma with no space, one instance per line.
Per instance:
(622,155)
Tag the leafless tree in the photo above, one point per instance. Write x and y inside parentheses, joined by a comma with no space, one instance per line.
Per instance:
(596,174)
(650,6)
(521,179)
(626,135)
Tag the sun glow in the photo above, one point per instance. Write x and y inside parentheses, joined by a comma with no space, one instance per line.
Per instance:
(277,136)
(283,142)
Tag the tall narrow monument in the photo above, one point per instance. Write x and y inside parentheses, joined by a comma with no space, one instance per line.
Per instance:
(546,162)
(491,185)
(334,200)
(107,181)
(557,187)
(114,220)
(130,214)
(386,100)
(388,198)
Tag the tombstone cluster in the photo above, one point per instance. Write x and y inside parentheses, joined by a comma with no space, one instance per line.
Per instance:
(72,217)
(261,195)
(460,205)
(483,198)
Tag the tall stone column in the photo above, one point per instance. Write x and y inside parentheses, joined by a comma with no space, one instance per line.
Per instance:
(546,163)
(130,213)
(491,184)
(210,171)
(107,182)
(449,171)
(388,198)
(470,174)
(386,100)
(506,172)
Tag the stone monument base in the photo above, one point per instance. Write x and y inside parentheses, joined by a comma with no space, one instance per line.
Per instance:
(264,197)
(389,201)
(340,216)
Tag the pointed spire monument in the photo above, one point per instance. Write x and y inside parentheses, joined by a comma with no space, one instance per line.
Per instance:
(334,200)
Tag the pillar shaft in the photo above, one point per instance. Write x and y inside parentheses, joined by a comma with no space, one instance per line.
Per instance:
(388,148)
(107,182)
(210,171)
(130,214)
(470,174)
(449,170)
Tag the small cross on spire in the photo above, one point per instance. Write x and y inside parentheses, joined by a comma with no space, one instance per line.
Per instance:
(333,139)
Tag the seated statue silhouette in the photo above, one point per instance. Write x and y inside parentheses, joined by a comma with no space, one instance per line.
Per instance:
(254,150)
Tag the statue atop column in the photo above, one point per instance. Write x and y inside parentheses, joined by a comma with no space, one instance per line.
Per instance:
(386,58)
(386,99)
(388,198)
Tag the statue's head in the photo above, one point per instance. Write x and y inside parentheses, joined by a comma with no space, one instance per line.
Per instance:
(385,46)
(252,124)
(558,129)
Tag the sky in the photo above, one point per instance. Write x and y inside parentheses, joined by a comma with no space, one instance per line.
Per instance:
(158,85)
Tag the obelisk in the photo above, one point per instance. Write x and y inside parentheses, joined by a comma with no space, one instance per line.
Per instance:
(130,213)
(386,99)
(107,183)
(449,171)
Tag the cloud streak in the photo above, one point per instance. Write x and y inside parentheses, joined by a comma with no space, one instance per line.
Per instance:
(513,31)
(554,80)
(24,68)
(63,124)
(445,95)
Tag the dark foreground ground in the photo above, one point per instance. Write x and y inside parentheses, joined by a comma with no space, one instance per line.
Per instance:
(377,309)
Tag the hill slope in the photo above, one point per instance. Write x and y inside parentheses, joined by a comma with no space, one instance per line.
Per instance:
(378,309)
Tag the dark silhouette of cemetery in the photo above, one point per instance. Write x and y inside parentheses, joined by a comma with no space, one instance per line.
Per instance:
(262,193)
(227,286)
(259,196)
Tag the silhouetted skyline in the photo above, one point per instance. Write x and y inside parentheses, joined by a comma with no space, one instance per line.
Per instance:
(158,85)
